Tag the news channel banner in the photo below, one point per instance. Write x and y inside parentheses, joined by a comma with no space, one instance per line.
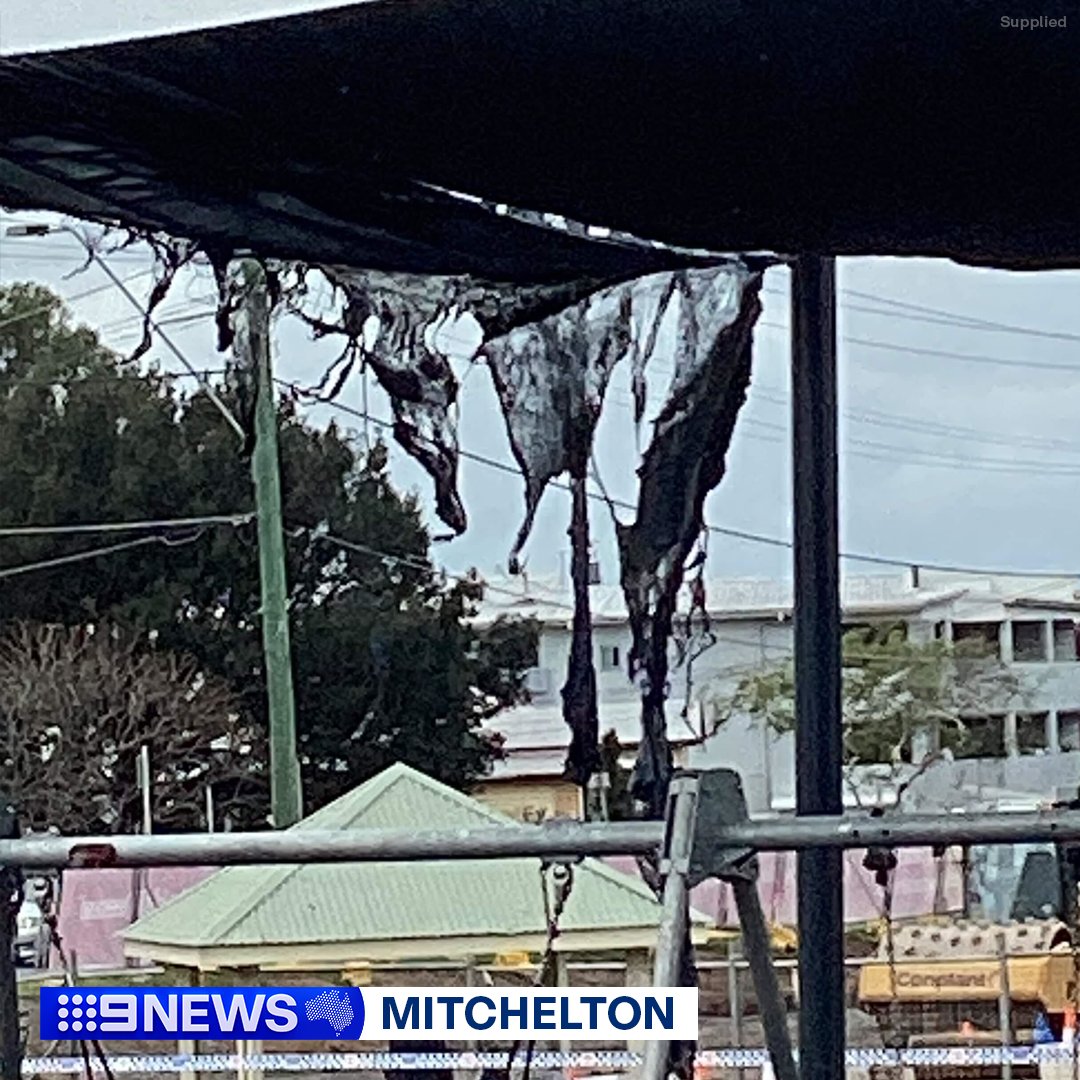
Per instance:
(317,1014)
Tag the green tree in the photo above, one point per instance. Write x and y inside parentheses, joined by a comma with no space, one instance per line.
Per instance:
(893,688)
(388,666)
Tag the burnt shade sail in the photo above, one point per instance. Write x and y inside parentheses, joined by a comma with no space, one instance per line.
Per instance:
(831,126)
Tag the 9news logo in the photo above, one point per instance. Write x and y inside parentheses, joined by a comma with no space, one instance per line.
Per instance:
(219,1013)
(323,1013)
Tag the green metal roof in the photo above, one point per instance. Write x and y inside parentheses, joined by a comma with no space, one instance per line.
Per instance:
(325,903)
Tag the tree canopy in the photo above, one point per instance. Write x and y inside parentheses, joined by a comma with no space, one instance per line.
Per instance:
(893,689)
(388,666)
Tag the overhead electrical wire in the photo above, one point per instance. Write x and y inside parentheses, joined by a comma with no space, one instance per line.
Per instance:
(390,559)
(151,525)
(736,533)
(935,457)
(937,316)
(46,308)
(94,553)
(721,530)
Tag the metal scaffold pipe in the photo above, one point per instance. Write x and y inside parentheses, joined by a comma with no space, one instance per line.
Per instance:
(564,840)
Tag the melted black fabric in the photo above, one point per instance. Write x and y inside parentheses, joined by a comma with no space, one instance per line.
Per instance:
(580,710)
(684,462)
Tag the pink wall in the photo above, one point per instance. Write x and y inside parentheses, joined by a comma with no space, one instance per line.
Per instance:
(914,887)
(96,905)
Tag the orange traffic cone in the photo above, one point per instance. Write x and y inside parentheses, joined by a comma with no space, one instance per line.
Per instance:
(1068,1026)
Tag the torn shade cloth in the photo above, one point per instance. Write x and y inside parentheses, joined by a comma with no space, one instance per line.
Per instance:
(412,367)
(551,378)
(685,460)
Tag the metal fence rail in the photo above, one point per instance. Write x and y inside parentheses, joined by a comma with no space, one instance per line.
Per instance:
(563,840)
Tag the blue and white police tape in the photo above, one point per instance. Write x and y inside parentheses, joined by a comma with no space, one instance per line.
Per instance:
(542,1059)
(317,1014)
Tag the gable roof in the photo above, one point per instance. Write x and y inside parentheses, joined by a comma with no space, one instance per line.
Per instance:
(313,904)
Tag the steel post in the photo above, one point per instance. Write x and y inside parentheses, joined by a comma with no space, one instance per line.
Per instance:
(818,735)
(558,840)
(676,910)
(735,1010)
(10,1036)
(758,949)
(1005,1007)
(10,898)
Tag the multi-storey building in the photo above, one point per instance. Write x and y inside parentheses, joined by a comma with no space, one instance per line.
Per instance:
(1029,750)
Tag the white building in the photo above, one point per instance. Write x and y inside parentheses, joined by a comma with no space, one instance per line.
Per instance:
(1035,623)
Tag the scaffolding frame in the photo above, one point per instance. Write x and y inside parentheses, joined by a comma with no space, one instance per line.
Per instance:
(685,851)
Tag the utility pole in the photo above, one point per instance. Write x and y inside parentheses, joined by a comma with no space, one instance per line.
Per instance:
(252,352)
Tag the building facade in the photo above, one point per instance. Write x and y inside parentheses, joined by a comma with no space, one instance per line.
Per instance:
(1020,750)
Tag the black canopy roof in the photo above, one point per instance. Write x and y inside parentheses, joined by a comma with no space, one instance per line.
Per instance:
(842,126)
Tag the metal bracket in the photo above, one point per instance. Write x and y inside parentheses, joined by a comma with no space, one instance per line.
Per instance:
(719,802)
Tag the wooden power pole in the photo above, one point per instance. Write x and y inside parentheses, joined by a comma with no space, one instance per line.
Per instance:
(252,353)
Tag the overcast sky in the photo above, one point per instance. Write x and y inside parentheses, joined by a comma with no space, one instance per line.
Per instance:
(973,461)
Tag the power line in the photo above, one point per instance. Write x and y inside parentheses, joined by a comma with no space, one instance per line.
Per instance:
(94,553)
(925,426)
(565,605)
(907,454)
(234,520)
(75,297)
(942,354)
(721,530)
(969,321)
(938,316)
(734,533)
(936,458)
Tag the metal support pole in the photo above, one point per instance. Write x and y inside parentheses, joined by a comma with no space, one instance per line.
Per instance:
(766,987)
(555,841)
(1005,1007)
(818,734)
(252,350)
(10,1039)
(10,899)
(676,911)
(735,1000)
(145,786)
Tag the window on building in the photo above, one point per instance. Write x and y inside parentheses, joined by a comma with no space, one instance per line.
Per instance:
(610,657)
(1029,641)
(1066,640)
(1069,729)
(989,633)
(1031,734)
(980,737)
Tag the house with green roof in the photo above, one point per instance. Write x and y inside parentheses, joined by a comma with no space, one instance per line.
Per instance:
(343,916)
